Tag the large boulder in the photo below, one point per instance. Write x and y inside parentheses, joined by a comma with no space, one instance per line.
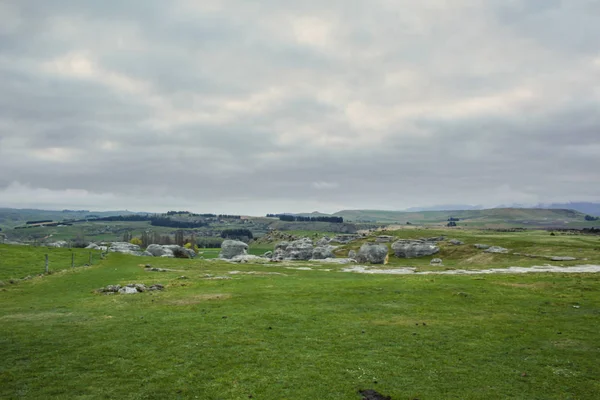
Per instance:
(232,248)
(372,253)
(125,248)
(158,251)
(322,252)
(301,249)
(414,248)
(180,251)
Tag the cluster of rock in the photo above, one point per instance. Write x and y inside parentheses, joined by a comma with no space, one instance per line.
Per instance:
(132,288)
(153,250)
(94,246)
(301,249)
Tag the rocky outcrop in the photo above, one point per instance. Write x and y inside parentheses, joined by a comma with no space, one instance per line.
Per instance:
(352,254)
(414,248)
(322,252)
(233,248)
(344,239)
(455,242)
(481,246)
(496,249)
(60,244)
(169,251)
(299,250)
(324,241)
(132,288)
(125,248)
(562,258)
(384,238)
(372,253)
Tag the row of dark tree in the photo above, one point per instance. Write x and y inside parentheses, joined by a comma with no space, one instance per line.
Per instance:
(590,218)
(41,221)
(300,218)
(237,234)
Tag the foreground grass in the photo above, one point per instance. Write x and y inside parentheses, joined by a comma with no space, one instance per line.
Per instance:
(275,333)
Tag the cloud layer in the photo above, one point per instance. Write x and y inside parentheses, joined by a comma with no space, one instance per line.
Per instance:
(255,107)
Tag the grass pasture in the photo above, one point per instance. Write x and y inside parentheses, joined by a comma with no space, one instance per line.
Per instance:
(272,332)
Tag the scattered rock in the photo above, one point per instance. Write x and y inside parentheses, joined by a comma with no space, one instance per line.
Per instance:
(372,253)
(414,248)
(436,261)
(496,249)
(232,248)
(131,288)
(246,258)
(268,254)
(352,254)
(562,258)
(384,239)
(154,269)
(456,242)
(481,246)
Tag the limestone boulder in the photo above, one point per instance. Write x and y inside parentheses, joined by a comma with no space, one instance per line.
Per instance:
(233,248)
(414,248)
(372,253)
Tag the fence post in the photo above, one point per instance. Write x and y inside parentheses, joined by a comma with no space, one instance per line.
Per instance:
(46,263)
(72,260)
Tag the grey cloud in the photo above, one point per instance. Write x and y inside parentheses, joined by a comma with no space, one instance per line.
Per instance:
(264,106)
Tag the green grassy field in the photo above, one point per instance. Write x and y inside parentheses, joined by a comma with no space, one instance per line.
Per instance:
(271,332)
(17,262)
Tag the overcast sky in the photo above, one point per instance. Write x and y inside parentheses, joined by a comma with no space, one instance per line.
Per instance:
(275,106)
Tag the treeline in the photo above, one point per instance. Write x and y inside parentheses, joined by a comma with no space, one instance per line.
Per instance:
(207,215)
(124,218)
(300,218)
(237,234)
(41,221)
(590,218)
(171,223)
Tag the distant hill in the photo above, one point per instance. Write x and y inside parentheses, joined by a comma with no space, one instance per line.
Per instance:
(11,217)
(586,208)
(445,207)
(488,218)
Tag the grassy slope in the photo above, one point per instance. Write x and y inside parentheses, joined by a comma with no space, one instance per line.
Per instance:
(297,335)
(493,217)
(539,243)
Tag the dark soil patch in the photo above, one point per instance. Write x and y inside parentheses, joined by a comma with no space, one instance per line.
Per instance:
(371,394)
